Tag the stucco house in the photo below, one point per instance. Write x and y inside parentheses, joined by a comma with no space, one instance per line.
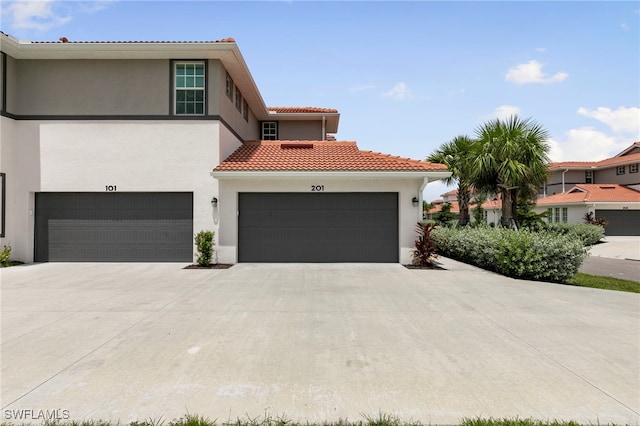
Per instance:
(121,151)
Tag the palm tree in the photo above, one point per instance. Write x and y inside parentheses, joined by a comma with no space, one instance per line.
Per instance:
(457,155)
(512,160)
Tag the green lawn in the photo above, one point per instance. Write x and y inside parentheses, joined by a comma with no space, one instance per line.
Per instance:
(607,283)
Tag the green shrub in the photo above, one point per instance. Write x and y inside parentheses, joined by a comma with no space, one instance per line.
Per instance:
(542,256)
(204,247)
(4,256)
(587,233)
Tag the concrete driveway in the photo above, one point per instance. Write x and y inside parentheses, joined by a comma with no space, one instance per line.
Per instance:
(313,342)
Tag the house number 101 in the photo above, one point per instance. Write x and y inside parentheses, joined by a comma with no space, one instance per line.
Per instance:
(317,188)
(110,188)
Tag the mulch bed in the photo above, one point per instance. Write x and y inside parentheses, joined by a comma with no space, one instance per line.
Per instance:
(212,266)
(432,267)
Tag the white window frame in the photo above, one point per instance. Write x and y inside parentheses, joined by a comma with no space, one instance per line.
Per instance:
(633,168)
(186,87)
(620,170)
(229,87)
(557,215)
(589,176)
(565,215)
(238,100)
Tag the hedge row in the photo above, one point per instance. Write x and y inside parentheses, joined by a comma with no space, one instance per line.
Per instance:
(587,233)
(541,256)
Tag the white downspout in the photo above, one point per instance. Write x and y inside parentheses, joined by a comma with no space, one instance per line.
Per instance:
(425,181)
(565,171)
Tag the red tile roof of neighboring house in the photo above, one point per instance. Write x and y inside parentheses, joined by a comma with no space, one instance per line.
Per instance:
(302,110)
(596,164)
(593,193)
(317,156)
(455,208)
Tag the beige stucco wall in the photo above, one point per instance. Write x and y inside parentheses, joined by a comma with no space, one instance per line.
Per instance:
(610,175)
(408,215)
(300,130)
(91,87)
(226,107)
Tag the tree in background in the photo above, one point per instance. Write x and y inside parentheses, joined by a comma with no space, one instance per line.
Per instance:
(458,155)
(512,160)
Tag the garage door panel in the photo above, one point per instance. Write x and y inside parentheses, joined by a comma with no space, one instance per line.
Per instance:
(620,222)
(118,227)
(324,227)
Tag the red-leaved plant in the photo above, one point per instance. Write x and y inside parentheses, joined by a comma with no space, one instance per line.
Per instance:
(592,220)
(425,249)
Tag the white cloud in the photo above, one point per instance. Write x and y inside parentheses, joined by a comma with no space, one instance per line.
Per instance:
(505,111)
(585,144)
(531,72)
(362,88)
(399,92)
(36,15)
(621,120)
(624,26)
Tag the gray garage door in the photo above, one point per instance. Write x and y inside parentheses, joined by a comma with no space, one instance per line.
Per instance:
(114,227)
(318,227)
(621,222)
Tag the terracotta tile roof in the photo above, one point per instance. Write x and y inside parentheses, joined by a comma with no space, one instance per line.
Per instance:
(65,40)
(317,156)
(455,208)
(609,162)
(302,110)
(593,193)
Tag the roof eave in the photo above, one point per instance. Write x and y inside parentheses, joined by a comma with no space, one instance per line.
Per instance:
(330,174)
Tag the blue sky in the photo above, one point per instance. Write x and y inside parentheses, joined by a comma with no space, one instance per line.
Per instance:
(405,76)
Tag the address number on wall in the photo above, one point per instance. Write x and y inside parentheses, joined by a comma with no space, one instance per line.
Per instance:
(317,188)
(110,188)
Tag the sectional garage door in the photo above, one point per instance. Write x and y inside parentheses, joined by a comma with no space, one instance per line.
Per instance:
(318,227)
(621,222)
(114,227)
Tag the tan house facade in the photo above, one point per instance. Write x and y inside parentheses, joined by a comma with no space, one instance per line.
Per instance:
(107,151)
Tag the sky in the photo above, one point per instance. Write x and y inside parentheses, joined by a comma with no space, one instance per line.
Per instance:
(406,76)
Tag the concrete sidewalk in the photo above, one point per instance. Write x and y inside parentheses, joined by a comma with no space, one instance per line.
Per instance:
(126,342)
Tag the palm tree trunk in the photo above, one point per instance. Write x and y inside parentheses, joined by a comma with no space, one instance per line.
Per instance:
(507,208)
(463,203)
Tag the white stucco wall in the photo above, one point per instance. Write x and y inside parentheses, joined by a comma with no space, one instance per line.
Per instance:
(158,156)
(408,215)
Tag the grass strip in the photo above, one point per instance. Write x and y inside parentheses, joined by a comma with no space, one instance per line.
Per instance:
(606,283)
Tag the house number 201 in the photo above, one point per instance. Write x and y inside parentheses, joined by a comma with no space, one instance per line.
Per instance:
(317,188)
(110,188)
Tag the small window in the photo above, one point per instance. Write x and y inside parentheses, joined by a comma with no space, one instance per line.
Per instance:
(620,170)
(238,99)
(269,130)
(550,215)
(557,215)
(588,176)
(229,89)
(245,110)
(565,215)
(189,88)
(633,168)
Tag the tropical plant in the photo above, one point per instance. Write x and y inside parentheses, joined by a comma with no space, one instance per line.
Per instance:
(5,253)
(444,217)
(425,249)
(590,218)
(512,159)
(457,155)
(204,247)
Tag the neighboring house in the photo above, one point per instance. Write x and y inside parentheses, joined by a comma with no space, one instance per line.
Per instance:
(618,204)
(107,151)
(621,169)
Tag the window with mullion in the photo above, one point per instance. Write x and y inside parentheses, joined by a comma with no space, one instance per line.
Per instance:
(189,88)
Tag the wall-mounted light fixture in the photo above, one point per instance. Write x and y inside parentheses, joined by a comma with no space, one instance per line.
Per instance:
(414,201)
(214,202)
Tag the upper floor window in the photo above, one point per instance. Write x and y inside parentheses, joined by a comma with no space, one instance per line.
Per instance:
(269,130)
(238,99)
(620,170)
(245,110)
(229,87)
(189,88)
(588,176)
(633,168)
